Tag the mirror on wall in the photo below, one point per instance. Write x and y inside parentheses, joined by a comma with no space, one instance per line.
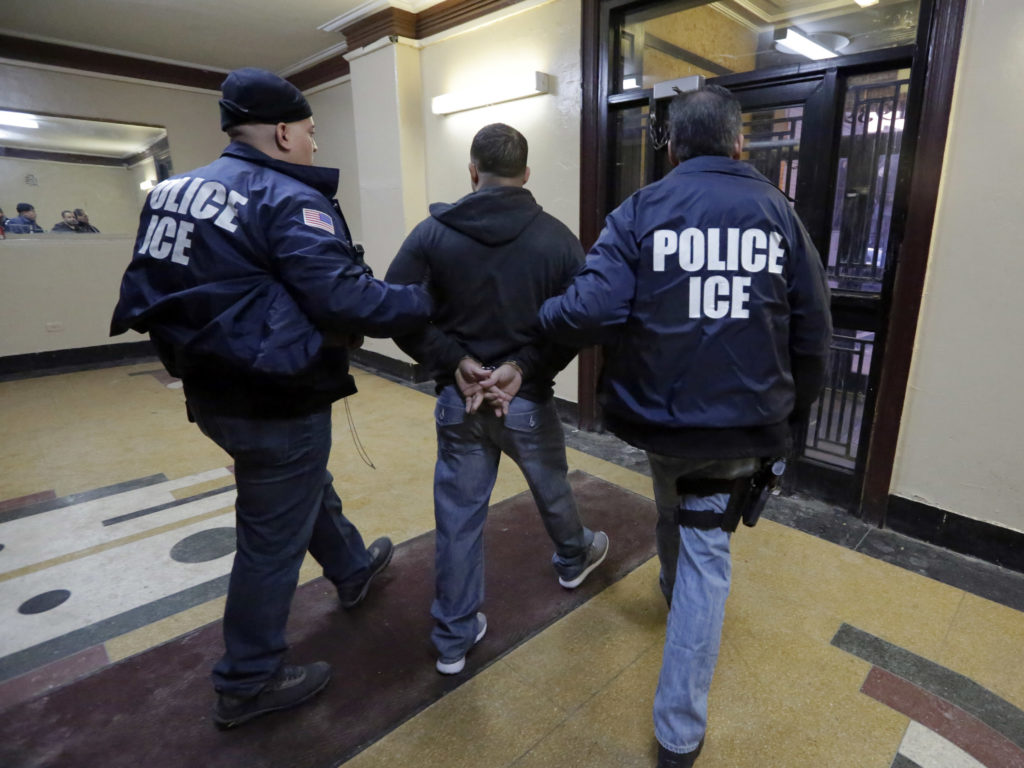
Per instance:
(80,176)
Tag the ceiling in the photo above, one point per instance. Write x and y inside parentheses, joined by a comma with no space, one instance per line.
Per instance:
(284,37)
(221,35)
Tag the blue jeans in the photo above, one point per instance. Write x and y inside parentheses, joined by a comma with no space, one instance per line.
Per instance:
(469,447)
(286,505)
(695,574)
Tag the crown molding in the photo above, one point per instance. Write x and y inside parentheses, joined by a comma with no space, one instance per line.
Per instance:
(77,58)
(365,10)
(369,23)
(310,61)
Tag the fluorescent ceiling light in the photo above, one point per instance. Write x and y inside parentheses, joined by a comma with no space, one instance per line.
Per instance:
(18,119)
(799,43)
(865,3)
(501,89)
(146,185)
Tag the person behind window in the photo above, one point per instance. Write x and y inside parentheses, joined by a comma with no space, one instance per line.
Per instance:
(83,222)
(25,222)
(68,223)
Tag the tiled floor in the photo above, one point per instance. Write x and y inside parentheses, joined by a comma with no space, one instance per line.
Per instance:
(849,647)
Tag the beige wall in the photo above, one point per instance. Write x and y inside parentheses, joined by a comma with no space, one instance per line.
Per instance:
(336,142)
(109,194)
(960,447)
(59,292)
(544,38)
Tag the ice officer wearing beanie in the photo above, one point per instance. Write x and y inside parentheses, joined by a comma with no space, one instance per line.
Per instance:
(246,279)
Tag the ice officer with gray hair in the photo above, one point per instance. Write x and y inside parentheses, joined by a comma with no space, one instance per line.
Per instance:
(711,302)
(246,278)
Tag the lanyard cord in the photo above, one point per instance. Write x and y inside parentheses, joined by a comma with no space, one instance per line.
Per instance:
(355,438)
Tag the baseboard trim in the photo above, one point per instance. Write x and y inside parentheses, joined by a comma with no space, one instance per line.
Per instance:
(62,360)
(985,541)
(399,369)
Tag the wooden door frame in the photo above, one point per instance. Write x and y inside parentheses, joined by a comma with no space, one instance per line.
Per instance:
(933,75)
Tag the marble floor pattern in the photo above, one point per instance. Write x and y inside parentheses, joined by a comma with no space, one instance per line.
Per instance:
(838,649)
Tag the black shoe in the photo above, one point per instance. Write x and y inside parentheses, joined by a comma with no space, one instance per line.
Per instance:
(667,759)
(290,687)
(380,551)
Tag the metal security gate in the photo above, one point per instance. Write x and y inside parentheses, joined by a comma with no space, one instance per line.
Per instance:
(831,141)
(857,141)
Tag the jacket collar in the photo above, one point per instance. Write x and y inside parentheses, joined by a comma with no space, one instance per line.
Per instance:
(719,164)
(323,180)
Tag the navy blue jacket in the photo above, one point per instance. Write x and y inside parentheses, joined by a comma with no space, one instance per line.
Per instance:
(21,225)
(245,277)
(493,257)
(713,307)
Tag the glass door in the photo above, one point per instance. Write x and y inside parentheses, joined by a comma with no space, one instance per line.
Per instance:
(831,141)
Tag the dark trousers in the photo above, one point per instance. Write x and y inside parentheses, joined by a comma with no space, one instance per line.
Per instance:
(286,505)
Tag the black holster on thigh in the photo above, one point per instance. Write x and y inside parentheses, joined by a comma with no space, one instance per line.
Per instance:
(705,519)
(747,497)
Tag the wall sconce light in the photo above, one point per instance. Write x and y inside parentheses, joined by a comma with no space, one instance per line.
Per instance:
(17,119)
(792,40)
(146,185)
(866,3)
(509,88)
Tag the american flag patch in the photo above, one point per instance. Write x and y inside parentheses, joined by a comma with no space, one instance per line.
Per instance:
(317,219)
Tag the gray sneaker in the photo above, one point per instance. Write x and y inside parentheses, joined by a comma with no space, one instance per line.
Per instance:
(595,556)
(454,666)
(290,687)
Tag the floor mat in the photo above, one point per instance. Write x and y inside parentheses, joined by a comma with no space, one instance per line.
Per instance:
(153,709)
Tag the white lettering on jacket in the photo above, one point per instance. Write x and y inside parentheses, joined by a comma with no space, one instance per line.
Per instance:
(700,251)
(192,199)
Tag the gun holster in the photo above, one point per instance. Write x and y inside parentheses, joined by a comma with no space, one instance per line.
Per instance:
(747,497)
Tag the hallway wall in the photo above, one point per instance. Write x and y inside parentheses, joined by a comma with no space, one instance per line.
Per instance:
(960,443)
(74,283)
(336,145)
(542,38)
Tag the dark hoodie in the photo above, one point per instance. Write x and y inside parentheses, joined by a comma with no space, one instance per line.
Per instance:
(491,260)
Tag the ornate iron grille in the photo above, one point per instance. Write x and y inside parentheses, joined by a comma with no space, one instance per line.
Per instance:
(833,434)
(771,141)
(866,181)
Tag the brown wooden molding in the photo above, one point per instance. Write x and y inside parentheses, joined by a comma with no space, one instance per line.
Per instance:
(57,55)
(451,13)
(390,21)
(593,200)
(321,72)
(386,23)
(60,157)
(943,49)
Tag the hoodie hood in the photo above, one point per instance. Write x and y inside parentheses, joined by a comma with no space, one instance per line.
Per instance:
(492,215)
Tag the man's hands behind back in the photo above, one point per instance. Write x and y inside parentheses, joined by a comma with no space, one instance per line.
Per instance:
(481,385)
